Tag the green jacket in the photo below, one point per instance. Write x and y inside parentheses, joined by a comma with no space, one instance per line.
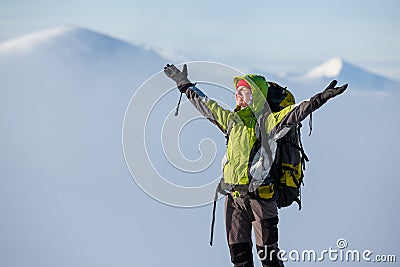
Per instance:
(244,161)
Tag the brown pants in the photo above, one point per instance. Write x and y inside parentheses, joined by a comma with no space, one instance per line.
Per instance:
(239,227)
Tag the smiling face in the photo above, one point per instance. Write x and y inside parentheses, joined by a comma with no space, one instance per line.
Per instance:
(243,96)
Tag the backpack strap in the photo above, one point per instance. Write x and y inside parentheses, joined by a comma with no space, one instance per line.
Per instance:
(222,188)
(300,148)
(228,130)
(262,134)
(213,222)
(298,201)
(177,106)
(217,190)
(304,157)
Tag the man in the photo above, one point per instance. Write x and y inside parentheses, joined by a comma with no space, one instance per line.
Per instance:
(247,164)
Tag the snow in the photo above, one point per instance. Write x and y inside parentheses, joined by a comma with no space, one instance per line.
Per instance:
(67,198)
(329,69)
(28,42)
(337,68)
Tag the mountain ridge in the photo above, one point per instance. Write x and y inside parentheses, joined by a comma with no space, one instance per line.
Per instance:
(81,40)
(92,46)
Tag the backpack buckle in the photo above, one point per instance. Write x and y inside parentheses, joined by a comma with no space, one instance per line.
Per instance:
(235,194)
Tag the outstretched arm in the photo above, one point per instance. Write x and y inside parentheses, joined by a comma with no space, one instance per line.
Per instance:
(207,107)
(294,114)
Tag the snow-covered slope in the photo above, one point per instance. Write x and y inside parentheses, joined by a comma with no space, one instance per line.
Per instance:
(358,78)
(73,45)
(329,69)
(337,68)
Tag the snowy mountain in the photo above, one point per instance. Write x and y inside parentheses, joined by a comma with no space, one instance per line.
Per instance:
(337,68)
(329,69)
(67,198)
(319,77)
(77,46)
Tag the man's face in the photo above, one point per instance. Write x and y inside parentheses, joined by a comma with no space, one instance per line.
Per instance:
(243,96)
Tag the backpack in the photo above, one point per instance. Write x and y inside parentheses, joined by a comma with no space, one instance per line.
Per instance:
(289,164)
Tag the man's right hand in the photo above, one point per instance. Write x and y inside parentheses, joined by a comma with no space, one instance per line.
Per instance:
(179,77)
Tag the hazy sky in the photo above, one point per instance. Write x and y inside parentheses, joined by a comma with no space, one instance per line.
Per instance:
(276,36)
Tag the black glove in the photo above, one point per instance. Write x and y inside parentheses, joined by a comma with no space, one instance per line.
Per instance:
(332,91)
(180,77)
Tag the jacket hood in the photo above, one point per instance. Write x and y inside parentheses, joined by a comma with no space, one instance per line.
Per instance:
(259,90)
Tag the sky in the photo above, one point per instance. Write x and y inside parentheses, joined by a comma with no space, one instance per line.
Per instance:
(274,36)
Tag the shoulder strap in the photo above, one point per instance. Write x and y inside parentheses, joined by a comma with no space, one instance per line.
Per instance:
(228,130)
(262,135)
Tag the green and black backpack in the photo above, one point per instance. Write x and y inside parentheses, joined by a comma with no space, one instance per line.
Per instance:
(289,164)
